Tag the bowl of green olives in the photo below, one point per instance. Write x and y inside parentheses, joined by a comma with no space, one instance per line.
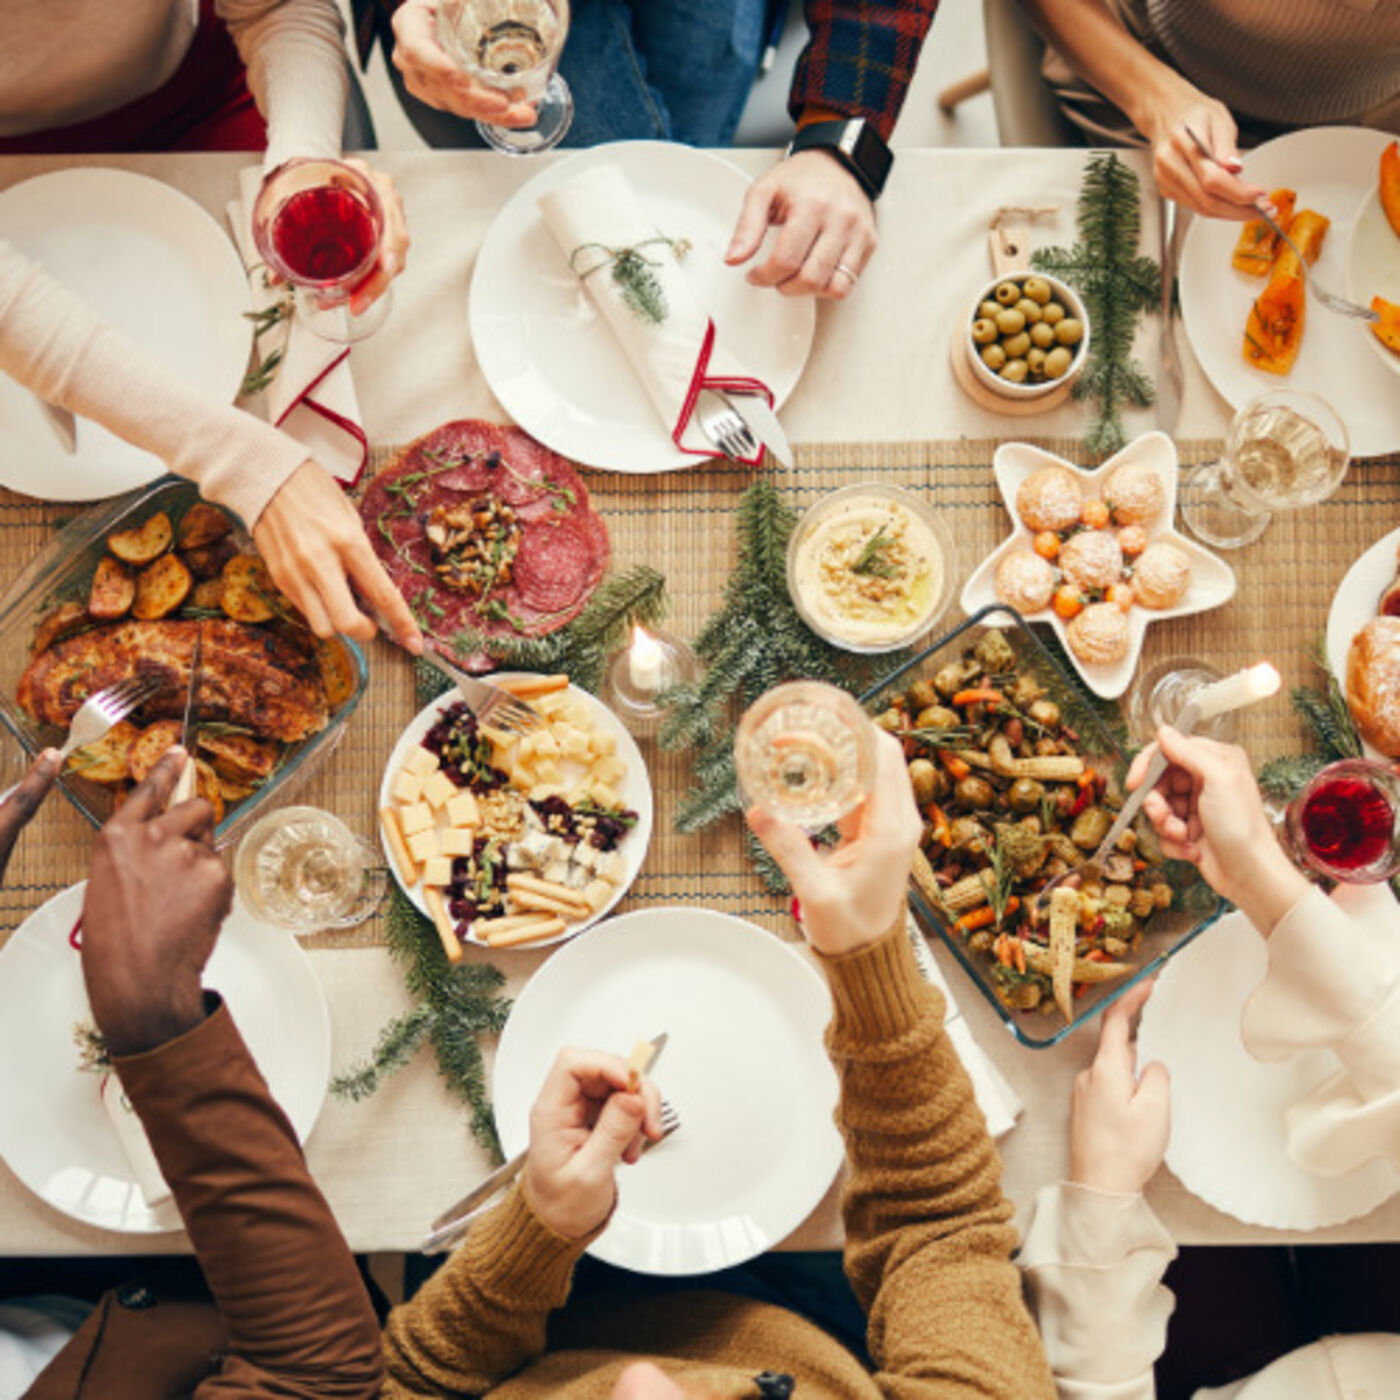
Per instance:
(1028,335)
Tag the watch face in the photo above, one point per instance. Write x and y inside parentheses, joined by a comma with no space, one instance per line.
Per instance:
(872,156)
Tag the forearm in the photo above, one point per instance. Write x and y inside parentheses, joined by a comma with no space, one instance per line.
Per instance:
(295,56)
(299,1320)
(482,1316)
(928,1236)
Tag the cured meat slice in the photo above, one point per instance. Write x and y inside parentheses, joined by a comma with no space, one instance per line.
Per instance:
(556,565)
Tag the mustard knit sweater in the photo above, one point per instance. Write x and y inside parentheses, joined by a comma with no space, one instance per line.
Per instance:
(928,1252)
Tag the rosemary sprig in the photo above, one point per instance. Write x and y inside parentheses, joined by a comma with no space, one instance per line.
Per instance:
(641,290)
(874,560)
(256,380)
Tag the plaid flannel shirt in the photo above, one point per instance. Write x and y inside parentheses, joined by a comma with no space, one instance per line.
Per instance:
(860,58)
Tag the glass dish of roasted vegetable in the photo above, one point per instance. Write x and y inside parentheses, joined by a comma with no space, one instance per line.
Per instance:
(1018,779)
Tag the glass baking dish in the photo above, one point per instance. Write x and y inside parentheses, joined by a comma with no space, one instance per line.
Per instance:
(1195,905)
(61,572)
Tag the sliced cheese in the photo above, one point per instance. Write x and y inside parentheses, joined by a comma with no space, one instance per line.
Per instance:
(437,871)
(422,762)
(416,816)
(408,787)
(456,841)
(462,810)
(423,845)
(439,789)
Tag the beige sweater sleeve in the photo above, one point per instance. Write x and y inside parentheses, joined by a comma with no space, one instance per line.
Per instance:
(54,343)
(295,56)
(928,1234)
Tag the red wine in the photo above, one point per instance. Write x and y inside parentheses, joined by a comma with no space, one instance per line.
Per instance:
(323,234)
(1347,823)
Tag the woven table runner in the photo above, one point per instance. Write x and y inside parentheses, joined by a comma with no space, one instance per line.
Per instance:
(683,524)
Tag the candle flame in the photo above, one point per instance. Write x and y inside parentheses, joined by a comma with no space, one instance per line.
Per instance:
(645,647)
(1264,680)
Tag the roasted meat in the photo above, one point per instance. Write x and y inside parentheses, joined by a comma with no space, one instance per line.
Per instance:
(249,676)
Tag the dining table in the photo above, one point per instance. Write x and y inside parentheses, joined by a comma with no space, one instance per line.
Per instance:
(876,401)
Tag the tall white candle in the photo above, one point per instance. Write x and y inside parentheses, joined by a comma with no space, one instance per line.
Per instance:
(646,662)
(1234,692)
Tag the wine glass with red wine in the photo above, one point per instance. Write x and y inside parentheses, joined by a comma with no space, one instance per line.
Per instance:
(1345,825)
(318,224)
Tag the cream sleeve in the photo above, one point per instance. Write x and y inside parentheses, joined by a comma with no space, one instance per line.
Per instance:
(294,52)
(55,344)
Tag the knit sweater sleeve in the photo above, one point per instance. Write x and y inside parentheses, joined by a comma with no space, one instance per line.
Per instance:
(54,343)
(295,56)
(482,1316)
(928,1234)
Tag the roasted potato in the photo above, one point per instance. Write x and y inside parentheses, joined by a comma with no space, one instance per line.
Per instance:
(148,747)
(202,525)
(240,758)
(104,760)
(337,671)
(208,594)
(249,593)
(143,543)
(113,591)
(161,588)
(208,561)
(64,619)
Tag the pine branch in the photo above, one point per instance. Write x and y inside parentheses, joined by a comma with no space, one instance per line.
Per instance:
(1282,779)
(398,1043)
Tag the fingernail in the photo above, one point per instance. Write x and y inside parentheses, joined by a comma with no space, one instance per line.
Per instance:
(49,761)
(177,751)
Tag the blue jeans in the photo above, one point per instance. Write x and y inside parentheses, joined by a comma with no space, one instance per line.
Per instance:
(663,70)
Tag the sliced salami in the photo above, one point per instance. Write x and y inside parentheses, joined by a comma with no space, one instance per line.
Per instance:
(556,565)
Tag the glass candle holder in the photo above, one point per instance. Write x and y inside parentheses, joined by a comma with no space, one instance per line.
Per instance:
(641,672)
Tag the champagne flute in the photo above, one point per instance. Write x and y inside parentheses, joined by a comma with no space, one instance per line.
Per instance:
(318,224)
(1284,450)
(513,46)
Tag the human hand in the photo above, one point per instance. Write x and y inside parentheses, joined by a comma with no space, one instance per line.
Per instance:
(1211,185)
(826,223)
(583,1124)
(854,895)
(432,77)
(393,243)
(1207,809)
(24,800)
(1119,1121)
(314,545)
(156,897)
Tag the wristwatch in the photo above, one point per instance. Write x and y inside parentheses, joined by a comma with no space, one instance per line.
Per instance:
(856,144)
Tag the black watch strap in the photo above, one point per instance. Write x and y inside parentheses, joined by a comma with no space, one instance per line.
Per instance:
(856,144)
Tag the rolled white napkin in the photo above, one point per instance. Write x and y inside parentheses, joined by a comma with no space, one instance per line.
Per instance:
(135,1144)
(594,217)
(312,396)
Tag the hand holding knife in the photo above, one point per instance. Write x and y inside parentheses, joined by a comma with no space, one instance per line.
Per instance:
(185,784)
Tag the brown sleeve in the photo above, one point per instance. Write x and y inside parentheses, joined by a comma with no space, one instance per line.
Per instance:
(928,1239)
(299,1320)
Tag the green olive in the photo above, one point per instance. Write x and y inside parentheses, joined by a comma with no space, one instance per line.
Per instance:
(1035,361)
(1015,371)
(1043,335)
(1037,289)
(1010,321)
(989,309)
(1017,345)
(984,331)
(1029,309)
(1070,331)
(1057,361)
(993,356)
(1053,313)
(1007,293)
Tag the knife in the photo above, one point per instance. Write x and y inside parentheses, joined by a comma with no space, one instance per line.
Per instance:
(453,1222)
(61,420)
(1171,222)
(185,783)
(762,423)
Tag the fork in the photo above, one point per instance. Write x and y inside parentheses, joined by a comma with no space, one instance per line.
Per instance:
(721,423)
(454,1222)
(489,703)
(1330,300)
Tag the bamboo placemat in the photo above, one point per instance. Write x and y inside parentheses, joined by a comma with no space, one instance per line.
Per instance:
(683,524)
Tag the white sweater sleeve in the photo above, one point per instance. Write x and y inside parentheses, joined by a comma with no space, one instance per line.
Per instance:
(54,343)
(1093,1264)
(1334,982)
(295,56)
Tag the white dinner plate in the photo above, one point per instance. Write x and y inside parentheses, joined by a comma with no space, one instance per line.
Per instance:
(1373,266)
(1355,603)
(745,1068)
(1332,168)
(551,359)
(1212,579)
(635,791)
(1228,1141)
(55,1133)
(162,272)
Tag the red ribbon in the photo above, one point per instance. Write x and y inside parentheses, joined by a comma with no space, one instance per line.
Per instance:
(701,380)
(346,425)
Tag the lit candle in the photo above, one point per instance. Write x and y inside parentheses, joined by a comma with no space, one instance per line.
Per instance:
(1234,692)
(646,662)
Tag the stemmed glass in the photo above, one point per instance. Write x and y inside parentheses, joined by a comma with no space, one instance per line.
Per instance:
(1284,450)
(318,225)
(1345,825)
(514,47)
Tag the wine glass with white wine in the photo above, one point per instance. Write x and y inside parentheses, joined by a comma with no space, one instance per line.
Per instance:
(1284,450)
(513,46)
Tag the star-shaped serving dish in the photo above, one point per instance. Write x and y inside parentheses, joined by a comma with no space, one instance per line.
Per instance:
(1212,579)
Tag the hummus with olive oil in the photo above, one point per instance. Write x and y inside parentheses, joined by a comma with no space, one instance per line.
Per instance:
(869,572)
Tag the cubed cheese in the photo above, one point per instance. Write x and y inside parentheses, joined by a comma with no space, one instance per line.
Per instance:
(586,855)
(439,789)
(612,865)
(456,841)
(423,845)
(573,742)
(416,816)
(596,894)
(438,871)
(603,743)
(556,872)
(537,848)
(541,791)
(548,772)
(609,770)
(499,737)
(422,762)
(604,795)
(408,787)
(462,810)
(546,745)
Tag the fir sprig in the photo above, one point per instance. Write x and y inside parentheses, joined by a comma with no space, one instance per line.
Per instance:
(1117,283)
(1323,709)
(638,284)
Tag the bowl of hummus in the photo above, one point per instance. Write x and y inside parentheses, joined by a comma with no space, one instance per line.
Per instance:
(870,568)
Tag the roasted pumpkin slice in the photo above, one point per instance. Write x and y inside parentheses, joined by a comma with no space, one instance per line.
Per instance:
(1307,229)
(1390,184)
(1275,327)
(1387,329)
(1254,253)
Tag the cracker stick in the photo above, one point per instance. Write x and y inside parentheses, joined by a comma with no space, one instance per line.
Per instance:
(531,932)
(542,903)
(442,921)
(550,889)
(502,923)
(638,1062)
(523,686)
(1064,919)
(398,847)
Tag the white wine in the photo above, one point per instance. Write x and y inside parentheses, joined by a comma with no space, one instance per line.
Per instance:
(1283,459)
(509,44)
